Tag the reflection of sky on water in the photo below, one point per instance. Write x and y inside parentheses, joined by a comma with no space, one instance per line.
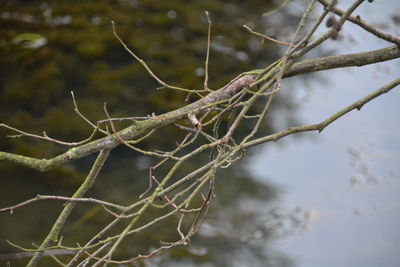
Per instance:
(349,175)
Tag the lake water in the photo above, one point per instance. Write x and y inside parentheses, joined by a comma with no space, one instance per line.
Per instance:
(348,177)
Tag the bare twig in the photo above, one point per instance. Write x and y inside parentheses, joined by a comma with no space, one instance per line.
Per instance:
(144,64)
(208,52)
(76,109)
(45,137)
(21,255)
(266,37)
(363,24)
(269,13)
(60,198)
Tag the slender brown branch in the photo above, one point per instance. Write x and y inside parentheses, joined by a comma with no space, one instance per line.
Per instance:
(144,64)
(45,137)
(208,52)
(21,255)
(266,37)
(332,32)
(60,198)
(269,13)
(76,109)
(363,24)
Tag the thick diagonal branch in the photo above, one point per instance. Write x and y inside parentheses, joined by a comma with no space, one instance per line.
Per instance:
(139,128)
(55,231)
(347,60)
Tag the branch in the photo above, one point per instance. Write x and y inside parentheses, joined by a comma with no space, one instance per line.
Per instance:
(322,125)
(137,129)
(144,64)
(358,21)
(21,255)
(55,230)
(208,52)
(46,137)
(242,81)
(266,37)
(332,32)
(61,198)
(347,60)
(284,3)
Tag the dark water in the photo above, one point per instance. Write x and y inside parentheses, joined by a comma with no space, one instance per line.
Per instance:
(73,49)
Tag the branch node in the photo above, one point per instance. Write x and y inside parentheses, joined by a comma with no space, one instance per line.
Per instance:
(320,127)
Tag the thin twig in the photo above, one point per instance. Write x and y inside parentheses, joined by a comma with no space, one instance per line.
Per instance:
(208,52)
(266,37)
(45,137)
(144,64)
(363,24)
(284,3)
(60,198)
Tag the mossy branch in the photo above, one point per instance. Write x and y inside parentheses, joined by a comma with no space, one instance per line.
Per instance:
(322,125)
(139,128)
(57,226)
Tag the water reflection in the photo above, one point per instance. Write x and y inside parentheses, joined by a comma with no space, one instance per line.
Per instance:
(349,174)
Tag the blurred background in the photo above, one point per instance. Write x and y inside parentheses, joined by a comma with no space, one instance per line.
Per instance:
(327,199)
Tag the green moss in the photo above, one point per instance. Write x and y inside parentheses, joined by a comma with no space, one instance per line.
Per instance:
(91,49)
